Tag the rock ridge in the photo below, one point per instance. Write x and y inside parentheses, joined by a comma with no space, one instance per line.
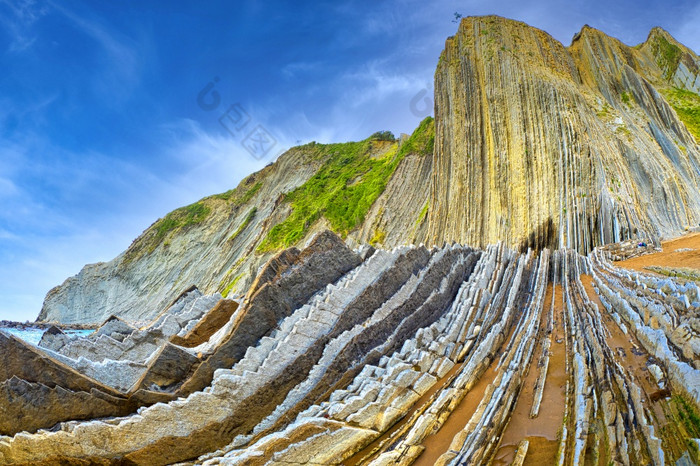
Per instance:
(374,359)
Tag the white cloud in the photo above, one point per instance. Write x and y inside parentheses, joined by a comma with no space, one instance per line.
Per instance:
(6,235)
(214,161)
(689,30)
(33,264)
(121,68)
(7,188)
(101,203)
(376,83)
(27,11)
(294,69)
(24,14)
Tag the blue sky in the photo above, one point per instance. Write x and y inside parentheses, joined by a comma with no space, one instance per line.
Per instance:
(101,132)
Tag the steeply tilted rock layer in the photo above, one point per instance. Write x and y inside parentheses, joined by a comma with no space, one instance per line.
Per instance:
(218,243)
(447,355)
(533,143)
(301,319)
(541,145)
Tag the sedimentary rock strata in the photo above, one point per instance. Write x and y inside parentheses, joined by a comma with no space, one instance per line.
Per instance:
(119,368)
(425,355)
(542,145)
(533,143)
(517,339)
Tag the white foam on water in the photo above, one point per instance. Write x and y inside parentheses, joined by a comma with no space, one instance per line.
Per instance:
(33,335)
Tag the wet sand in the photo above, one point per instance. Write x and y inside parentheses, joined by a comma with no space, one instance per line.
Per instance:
(439,442)
(541,431)
(628,351)
(668,257)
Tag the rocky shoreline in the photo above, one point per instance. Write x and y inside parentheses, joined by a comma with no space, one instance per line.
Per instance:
(44,325)
(512,337)
(361,356)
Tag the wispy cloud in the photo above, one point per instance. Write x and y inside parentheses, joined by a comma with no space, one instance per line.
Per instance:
(7,188)
(211,160)
(295,69)
(7,236)
(18,19)
(45,233)
(376,82)
(33,264)
(74,194)
(121,64)
(105,203)
(27,11)
(689,29)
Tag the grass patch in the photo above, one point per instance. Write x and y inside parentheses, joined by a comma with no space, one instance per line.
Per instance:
(423,213)
(180,218)
(685,273)
(249,218)
(345,187)
(248,195)
(687,107)
(163,230)
(605,111)
(688,415)
(626,99)
(158,232)
(668,55)
(422,141)
(623,131)
(239,197)
(231,285)
(378,238)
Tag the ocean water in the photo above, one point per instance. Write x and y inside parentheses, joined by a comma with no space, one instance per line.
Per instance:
(33,335)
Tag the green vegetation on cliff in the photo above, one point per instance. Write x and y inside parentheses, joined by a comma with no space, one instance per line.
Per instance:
(688,416)
(239,196)
(231,285)
(422,140)
(668,55)
(383,136)
(346,186)
(194,214)
(179,218)
(423,213)
(687,106)
(378,238)
(175,220)
(249,218)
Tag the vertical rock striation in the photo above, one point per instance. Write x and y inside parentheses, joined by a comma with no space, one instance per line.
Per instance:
(533,348)
(545,146)
(410,355)
(533,143)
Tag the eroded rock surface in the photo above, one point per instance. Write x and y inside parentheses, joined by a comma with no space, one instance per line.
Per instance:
(377,358)
(543,145)
(527,346)
(533,143)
